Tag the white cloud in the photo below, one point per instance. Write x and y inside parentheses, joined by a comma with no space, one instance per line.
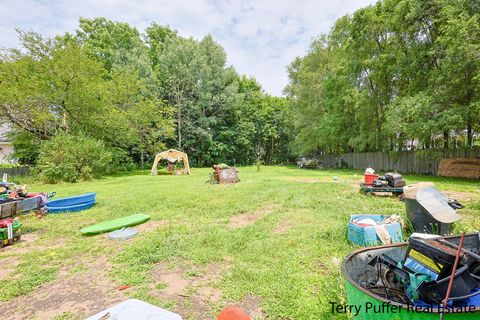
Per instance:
(260,37)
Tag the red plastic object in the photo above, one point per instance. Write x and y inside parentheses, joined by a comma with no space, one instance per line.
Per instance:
(121,288)
(35,194)
(233,313)
(5,222)
(450,283)
(369,177)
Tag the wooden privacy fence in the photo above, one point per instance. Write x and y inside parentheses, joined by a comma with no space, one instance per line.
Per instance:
(419,161)
(14,172)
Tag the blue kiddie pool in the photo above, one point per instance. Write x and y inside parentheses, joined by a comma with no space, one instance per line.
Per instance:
(72,204)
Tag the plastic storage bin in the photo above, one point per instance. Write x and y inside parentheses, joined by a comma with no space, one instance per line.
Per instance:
(369,178)
(367,236)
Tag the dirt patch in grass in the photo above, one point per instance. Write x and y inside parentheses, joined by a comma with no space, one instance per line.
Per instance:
(206,284)
(26,243)
(8,266)
(461,196)
(195,291)
(316,180)
(246,219)
(30,242)
(175,283)
(283,227)
(82,294)
(210,294)
(151,225)
(251,305)
(307,180)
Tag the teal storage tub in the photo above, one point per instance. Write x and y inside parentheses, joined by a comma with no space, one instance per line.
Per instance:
(367,236)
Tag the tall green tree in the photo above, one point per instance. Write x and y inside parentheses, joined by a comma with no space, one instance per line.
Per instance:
(393,75)
(136,94)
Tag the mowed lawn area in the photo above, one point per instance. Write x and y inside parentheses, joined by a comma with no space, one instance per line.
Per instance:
(273,244)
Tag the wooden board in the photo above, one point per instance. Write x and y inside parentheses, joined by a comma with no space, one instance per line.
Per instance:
(8,209)
(460,168)
(11,209)
(28,204)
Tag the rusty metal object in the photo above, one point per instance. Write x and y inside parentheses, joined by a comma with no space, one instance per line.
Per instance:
(225,174)
(452,277)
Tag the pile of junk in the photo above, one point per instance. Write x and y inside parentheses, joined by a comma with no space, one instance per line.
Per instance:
(389,182)
(389,179)
(15,199)
(428,211)
(427,276)
(304,163)
(432,274)
(223,173)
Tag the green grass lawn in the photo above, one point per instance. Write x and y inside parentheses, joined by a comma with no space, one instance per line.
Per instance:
(272,243)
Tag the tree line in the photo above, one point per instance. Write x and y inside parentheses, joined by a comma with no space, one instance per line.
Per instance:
(132,94)
(397,75)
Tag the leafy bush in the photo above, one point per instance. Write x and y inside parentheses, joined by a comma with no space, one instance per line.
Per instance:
(72,158)
(430,154)
(26,147)
(9,165)
(121,161)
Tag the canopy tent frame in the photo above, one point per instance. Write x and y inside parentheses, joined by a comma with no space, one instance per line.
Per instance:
(172,156)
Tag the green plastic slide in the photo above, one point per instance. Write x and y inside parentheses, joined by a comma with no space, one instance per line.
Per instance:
(116,224)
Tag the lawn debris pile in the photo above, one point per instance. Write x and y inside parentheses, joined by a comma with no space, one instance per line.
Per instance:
(304,163)
(16,199)
(423,275)
(390,182)
(223,173)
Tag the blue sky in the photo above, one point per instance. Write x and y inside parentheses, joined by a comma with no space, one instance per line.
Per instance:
(260,37)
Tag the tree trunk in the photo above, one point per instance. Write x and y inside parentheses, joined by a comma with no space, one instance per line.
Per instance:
(141,159)
(179,127)
(179,119)
(65,123)
(271,151)
(469,135)
(445,140)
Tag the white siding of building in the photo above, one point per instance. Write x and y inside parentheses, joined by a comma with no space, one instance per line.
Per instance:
(6,148)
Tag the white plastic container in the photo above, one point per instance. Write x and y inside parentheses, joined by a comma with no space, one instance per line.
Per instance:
(133,309)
